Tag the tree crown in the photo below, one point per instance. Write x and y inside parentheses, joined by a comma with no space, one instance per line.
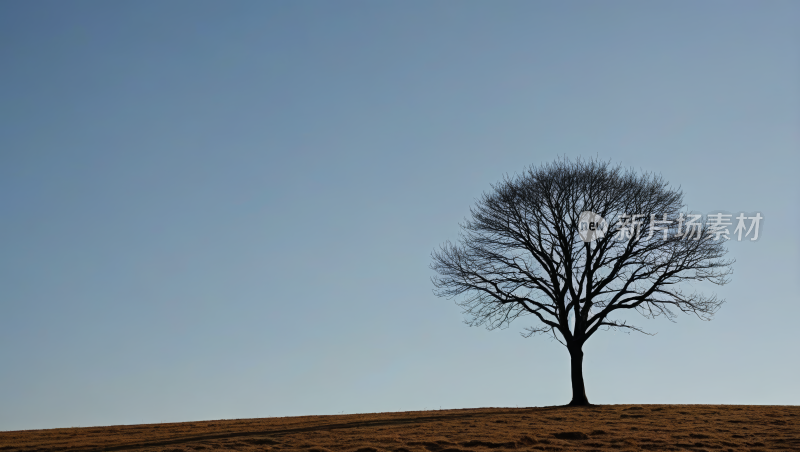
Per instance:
(521,252)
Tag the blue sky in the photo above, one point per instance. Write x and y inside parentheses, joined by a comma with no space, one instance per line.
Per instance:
(226,209)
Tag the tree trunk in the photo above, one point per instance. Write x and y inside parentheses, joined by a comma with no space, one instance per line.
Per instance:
(578,390)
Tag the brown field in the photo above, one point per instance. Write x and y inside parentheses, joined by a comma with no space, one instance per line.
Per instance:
(597,428)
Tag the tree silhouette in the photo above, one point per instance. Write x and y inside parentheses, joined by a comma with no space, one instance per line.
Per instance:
(522,254)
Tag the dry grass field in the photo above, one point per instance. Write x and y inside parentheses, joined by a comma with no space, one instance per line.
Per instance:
(598,428)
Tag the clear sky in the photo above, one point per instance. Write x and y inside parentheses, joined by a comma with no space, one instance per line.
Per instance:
(226,209)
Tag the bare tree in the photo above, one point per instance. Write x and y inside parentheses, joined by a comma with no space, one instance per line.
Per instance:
(521,253)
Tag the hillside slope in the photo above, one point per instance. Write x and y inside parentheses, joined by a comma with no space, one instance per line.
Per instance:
(609,427)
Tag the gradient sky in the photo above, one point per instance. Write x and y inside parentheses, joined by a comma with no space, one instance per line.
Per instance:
(226,209)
